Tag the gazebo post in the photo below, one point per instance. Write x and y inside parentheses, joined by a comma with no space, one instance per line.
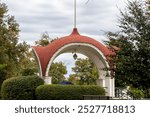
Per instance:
(47,79)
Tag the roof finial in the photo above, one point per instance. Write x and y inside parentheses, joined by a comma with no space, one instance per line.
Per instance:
(75,13)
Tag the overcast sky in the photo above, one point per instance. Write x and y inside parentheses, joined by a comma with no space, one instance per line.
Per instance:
(56,17)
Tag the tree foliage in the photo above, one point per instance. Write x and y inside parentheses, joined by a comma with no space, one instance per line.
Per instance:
(28,64)
(57,72)
(133,40)
(148,5)
(11,51)
(74,78)
(85,72)
(44,41)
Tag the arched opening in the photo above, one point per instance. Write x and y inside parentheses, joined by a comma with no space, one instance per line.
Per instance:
(86,49)
(77,71)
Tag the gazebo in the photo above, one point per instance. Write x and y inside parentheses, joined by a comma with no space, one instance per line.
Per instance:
(96,51)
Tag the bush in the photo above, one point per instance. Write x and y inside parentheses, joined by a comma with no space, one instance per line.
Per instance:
(136,93)
(67,92)
(20,88)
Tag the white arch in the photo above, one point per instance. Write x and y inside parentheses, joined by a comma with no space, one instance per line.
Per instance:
(39,63)
(64,48)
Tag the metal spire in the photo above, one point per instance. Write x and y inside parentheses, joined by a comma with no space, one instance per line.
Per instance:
(75,13)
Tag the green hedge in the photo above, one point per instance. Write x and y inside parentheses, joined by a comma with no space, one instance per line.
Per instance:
(67,92)
(20,88)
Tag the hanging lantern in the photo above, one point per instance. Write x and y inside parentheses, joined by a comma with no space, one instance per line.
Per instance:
(75,56)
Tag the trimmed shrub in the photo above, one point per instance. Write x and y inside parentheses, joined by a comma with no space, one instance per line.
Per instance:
(67,92)
(20,88)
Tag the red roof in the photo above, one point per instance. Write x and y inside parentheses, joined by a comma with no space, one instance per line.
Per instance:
(45,53)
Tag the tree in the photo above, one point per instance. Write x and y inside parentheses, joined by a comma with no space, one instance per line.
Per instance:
(85,71)
(28,65)
(11,51)
(148,4)
(57,72)
(44,41)
(133,40)
(74,78)
(148,7)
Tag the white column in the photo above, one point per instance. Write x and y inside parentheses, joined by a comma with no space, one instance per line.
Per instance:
(101,80)
(110,86)
(113,87)
(48,80)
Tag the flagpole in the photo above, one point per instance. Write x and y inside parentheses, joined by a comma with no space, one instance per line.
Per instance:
(75,13)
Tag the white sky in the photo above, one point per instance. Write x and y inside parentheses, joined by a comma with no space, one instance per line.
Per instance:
(56,17)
